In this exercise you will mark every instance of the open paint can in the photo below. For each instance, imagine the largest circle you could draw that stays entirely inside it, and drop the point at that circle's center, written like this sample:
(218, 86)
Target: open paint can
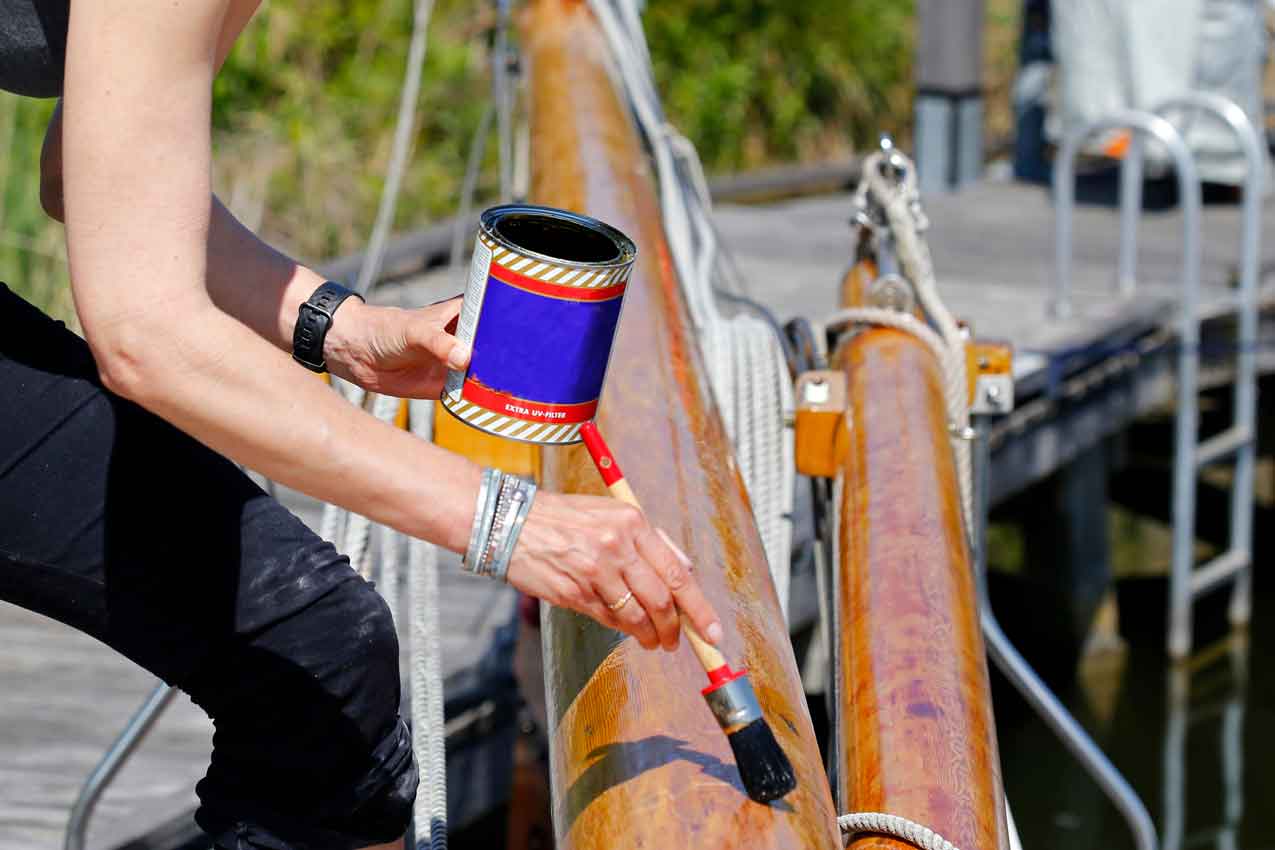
(540, 313)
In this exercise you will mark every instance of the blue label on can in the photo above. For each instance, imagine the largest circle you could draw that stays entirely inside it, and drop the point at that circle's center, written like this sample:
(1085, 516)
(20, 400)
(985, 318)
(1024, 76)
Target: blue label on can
(549, 348)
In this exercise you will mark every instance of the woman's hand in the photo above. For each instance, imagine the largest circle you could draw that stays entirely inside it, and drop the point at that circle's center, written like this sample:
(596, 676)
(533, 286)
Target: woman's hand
(397, 352)
(588, 553)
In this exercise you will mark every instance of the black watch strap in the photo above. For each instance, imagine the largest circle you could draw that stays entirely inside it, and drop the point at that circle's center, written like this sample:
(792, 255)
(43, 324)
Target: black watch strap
(314, 319)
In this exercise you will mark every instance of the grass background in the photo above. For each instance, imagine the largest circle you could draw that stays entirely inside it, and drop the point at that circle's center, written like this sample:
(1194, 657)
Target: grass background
(305, 107)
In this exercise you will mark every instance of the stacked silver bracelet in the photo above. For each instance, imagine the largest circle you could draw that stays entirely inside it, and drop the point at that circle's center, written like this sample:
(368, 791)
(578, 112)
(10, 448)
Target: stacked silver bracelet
(504, 501)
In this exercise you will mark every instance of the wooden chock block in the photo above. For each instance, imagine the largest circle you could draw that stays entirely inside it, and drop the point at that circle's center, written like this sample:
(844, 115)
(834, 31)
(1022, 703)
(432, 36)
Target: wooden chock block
(485, 449)
(822, 438)
(989, 374)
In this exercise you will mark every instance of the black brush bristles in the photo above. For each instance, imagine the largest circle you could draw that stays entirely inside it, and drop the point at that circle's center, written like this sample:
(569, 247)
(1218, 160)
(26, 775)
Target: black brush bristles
(763, 766)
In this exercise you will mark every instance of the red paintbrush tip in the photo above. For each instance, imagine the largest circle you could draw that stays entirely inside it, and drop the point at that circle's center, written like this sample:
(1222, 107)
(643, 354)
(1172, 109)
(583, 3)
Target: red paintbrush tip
(719, 676)
(601, 453)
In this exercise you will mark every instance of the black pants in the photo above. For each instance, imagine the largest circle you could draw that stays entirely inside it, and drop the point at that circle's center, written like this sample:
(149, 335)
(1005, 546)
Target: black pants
(116, 523)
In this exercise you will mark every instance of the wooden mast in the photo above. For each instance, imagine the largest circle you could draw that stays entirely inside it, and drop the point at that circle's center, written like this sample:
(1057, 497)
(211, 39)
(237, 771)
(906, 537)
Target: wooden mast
(636, 758)
(915, 735)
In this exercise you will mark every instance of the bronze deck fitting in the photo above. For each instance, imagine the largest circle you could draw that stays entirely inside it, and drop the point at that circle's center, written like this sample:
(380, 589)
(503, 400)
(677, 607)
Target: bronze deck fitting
(637, 759)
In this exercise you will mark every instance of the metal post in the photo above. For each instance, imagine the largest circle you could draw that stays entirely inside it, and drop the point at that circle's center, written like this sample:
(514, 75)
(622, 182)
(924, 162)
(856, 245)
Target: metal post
(949, 100)
(1021, 675)
(138, 726)
(1131, 174)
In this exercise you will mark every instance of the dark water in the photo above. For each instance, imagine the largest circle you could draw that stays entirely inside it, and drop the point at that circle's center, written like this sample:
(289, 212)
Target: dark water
(1194, 740)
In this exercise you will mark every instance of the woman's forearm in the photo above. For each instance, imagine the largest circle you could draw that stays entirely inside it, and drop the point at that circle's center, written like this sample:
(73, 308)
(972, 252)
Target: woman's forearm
(250, 402)
(258, 285)
(136, 141)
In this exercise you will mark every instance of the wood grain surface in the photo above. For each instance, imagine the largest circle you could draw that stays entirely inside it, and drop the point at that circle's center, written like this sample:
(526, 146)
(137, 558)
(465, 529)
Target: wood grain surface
(914, 734)
(637, 759)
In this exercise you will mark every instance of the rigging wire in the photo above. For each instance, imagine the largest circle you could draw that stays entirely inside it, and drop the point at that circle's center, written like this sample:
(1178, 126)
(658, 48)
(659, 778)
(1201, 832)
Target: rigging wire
(401, 151)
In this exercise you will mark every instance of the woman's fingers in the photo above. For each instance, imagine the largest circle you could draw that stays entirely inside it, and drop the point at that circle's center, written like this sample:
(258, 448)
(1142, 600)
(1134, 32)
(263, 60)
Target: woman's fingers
(675, 571)
(588, 554)
(573, 593)
(629, 617)
(429, 332)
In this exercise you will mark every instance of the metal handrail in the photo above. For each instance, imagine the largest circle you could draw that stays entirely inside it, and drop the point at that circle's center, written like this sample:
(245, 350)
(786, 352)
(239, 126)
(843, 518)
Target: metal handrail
(1032, 688)
(1065, 205)
(118, 753)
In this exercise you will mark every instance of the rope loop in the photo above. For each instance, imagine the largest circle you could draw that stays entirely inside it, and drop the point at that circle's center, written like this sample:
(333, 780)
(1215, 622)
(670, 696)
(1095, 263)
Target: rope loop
(887, 199)
(894, 826)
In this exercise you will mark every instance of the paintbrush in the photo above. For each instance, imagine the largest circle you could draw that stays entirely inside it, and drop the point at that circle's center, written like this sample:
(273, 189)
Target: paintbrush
(763, 767)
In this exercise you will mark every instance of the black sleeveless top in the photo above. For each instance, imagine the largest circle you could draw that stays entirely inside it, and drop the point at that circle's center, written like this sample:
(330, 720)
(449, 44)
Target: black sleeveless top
(33, 45)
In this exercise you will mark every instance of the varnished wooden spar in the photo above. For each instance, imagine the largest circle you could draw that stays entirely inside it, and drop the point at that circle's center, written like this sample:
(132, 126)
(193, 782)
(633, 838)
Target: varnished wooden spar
(637, 760)
(915, 735)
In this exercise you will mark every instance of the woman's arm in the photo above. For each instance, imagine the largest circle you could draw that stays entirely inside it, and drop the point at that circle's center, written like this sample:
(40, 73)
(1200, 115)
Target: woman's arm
(137, 102)
(380, 348)
(137, 157)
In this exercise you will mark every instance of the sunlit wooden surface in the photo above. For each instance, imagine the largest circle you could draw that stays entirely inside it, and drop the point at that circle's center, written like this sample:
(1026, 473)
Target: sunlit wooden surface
(915, 736)
(637, 759)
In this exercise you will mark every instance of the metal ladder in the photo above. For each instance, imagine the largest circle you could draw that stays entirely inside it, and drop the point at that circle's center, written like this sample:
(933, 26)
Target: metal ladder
(1186, 581)
(1181, 716)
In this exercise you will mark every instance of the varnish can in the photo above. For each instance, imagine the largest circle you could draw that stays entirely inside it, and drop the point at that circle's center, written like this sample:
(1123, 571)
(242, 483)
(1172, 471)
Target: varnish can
(540, 312)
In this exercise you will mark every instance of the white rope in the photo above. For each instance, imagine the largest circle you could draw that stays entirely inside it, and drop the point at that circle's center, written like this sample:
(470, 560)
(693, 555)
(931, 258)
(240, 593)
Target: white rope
(899, 199)
(387, 581)
(358, 528)
(333, 520)
(879, 823)
(468, 187)
(429, 740)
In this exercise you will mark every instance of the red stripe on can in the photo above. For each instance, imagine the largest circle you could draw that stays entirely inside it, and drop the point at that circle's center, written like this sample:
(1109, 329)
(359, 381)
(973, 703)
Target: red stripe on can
(556, 290)
(529, 411)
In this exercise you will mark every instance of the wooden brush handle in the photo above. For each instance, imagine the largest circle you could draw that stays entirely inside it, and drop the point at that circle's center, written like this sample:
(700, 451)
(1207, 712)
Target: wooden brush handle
(618, 486)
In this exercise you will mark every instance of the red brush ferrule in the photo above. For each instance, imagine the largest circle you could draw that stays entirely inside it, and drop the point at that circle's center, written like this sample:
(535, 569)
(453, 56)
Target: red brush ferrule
(601, 454)
(720, 676)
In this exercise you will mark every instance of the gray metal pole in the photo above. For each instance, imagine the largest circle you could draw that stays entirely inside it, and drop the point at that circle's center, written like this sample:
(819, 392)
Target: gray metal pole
(138, 726)
(1021, 675)
(949, 100)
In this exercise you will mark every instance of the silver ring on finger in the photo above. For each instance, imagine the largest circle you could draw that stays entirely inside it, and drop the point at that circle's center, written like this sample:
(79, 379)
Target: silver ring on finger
(621, 602)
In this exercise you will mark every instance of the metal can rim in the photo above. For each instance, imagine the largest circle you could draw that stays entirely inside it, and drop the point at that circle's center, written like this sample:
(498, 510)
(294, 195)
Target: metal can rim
(625, 248)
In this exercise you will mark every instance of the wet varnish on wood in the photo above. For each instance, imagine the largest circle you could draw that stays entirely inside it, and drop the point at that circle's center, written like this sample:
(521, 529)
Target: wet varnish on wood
(915, 736)
(637, 759)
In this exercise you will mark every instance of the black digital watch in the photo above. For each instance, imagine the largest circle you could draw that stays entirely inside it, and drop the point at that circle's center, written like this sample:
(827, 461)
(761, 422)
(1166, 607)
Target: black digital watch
(314, 319)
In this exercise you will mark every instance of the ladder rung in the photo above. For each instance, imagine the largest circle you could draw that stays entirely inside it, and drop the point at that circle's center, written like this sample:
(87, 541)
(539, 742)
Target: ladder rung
(1218, 570)
(1222, 445)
